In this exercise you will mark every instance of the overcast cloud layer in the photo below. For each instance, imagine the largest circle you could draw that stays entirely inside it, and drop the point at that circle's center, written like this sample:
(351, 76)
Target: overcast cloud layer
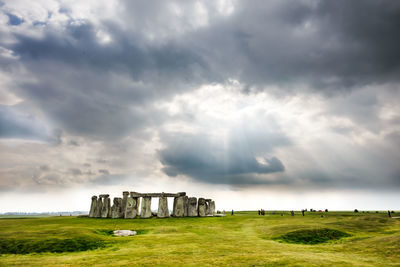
(233, 94)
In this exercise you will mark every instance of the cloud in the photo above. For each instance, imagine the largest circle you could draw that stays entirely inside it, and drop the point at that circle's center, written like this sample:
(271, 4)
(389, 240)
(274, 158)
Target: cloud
(274, 93)
(106, 172)
(17, 123)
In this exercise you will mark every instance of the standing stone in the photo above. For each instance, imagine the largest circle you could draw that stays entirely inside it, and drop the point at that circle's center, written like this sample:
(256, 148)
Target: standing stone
(192, 207)
(109, 207)
(105, 210)
(93, 206)
(146, 208)
(186, 206)
(130, 208)
(116, 209)
(212, 207)
(174, 206)
(202, 207)
(125, 196)
(208, 207)
(179, 206)
(99, 207)
(163, 207)
(137, 198)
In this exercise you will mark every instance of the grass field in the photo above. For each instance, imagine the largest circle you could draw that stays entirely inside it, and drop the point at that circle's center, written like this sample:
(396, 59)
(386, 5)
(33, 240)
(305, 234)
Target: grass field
(245, 239)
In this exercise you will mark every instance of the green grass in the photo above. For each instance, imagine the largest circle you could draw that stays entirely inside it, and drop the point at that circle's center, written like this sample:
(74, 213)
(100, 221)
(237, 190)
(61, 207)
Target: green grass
(244, 239)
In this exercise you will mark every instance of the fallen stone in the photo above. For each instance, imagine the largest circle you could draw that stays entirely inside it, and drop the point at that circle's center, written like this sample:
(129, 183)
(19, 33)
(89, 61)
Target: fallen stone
(124, 232)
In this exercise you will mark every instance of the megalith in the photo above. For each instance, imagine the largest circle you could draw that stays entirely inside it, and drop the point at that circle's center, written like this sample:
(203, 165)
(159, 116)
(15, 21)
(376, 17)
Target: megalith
(192, 207)
(93, 206)
(130, 208)
(125, 196)
(186, 206)
(146, 208)
(212, 207)
(179, 206)
(201, 207)
(116, 209)
(137, 197)
(174, 206)
(208, 206)
(99, 207)
(163, 207)
(105, 210)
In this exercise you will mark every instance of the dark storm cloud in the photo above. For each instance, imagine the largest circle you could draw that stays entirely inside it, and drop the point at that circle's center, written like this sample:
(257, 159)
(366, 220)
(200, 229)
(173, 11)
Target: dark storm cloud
(99, 82)
(328, 45)
(228, 160)
(129, 52)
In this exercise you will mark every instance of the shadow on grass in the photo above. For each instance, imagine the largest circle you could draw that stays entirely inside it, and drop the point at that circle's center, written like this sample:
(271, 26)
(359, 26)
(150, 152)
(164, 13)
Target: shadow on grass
(311, 236)
(26, 246)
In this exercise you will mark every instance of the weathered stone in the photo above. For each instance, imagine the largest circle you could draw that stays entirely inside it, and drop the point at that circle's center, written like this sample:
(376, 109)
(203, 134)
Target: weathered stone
(174, 206)
(93, 206)
(208, 206)
(109, 207)
(146, 208)
(186, 206)
(116, 209)
(125, 196)
(124, 232)
(137, 203)
(192, 207)
(179, 206)
(136, 194)
(201, 207)
(130, 208)
(99, 207)
(106, 209)
(163, 208)
(212, 207)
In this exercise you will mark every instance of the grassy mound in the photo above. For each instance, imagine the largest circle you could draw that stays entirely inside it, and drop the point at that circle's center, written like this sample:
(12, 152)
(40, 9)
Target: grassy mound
(312, 236)
(26, 246)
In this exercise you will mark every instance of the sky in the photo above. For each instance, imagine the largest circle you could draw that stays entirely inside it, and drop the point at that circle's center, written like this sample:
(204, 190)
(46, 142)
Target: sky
(256, 104)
